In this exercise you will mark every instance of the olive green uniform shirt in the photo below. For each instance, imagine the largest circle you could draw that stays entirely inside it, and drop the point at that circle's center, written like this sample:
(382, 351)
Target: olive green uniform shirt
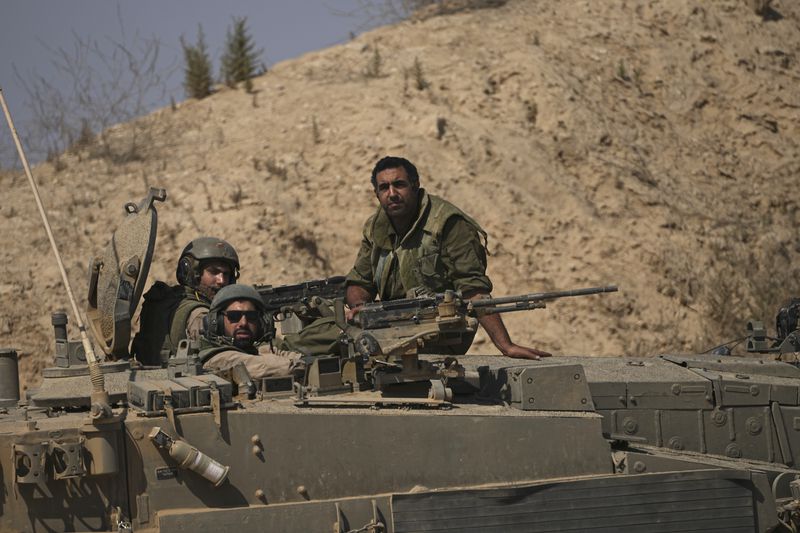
(442, 251)
(461, 261)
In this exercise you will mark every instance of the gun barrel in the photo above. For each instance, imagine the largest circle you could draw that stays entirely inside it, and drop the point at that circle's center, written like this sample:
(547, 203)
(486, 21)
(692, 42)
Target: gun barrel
(541, 296)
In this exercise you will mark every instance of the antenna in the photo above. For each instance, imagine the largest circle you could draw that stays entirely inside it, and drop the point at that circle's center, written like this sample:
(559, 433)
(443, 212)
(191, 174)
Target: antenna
(100, 401)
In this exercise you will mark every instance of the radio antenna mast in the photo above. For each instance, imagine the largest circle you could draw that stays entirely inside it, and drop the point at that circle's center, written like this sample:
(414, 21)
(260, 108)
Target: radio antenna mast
(100, 400)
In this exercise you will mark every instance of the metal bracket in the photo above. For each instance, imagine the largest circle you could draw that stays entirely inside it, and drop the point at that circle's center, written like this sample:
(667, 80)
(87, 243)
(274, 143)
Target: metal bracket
(373, 526)
(118, 517)
(169, 408)
(377, 524)
(29, 462)
(216, 406)
(67, 457)
(338, 526)
(153, 195)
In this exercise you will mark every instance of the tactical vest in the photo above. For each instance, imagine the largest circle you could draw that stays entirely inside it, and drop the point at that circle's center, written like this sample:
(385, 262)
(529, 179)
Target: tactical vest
(165, 313)
(419, 254)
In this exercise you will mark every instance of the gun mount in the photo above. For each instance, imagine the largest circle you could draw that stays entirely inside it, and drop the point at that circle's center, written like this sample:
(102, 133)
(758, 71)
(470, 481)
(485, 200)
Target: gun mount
(633, 444)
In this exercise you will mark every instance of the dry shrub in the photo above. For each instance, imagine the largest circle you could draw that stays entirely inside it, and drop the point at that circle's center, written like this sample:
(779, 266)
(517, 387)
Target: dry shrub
(377, 12)
(431, 8)
(420, 82)
(749, 276)
(272, 166)
(757, 280)
(103, 83)
(308, 244)
(374, 65)
(316, 136)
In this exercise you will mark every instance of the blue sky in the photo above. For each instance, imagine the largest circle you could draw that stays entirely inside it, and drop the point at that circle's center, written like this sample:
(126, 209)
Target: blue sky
(283, 29)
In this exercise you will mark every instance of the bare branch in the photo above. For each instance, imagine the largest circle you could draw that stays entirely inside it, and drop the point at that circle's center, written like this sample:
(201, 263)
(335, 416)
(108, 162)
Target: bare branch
(101, 83)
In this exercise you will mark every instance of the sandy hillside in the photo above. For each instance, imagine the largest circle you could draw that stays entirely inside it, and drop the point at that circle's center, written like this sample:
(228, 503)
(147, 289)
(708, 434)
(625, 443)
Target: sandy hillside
(655, 145)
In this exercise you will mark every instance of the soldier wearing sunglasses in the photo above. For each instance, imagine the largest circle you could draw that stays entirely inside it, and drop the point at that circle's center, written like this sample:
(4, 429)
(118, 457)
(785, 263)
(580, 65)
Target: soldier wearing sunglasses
(239, 330)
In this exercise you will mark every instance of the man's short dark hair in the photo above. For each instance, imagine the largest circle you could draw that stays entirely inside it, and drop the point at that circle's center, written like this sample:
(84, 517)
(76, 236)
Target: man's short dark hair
(395, 162)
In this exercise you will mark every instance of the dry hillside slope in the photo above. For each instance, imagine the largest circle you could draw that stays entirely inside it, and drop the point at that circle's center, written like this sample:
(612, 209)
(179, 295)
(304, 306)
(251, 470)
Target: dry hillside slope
(649, 144)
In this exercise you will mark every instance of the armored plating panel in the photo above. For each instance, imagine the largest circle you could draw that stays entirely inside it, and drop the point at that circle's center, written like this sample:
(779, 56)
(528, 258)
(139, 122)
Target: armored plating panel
(347, 453)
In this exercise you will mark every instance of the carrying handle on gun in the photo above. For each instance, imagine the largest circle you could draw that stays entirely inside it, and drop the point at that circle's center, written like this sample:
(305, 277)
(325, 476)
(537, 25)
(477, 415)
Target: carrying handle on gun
(339, 316)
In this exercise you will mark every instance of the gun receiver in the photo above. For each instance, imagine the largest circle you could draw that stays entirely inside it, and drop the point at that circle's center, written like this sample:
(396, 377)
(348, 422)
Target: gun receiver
(299, 304)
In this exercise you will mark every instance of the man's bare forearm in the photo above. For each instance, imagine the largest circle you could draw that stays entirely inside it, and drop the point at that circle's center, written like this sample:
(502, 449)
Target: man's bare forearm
(496, 330)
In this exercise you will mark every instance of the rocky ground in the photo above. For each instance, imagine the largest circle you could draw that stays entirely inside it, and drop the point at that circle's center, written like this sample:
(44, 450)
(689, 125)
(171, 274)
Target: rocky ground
(654, 145)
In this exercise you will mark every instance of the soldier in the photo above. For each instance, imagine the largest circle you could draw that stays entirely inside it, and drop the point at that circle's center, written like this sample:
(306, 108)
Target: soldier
(169, 314)
(238, 330)
(415, 243)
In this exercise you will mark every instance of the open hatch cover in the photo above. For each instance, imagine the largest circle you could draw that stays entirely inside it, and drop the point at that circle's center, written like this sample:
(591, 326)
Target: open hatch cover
(118, 276)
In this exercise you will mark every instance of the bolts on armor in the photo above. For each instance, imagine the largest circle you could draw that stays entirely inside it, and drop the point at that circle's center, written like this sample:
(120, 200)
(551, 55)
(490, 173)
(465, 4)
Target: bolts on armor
(301, 490)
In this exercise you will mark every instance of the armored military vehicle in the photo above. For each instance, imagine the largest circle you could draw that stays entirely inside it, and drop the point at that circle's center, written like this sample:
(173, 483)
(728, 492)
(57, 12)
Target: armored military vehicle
(383, 439)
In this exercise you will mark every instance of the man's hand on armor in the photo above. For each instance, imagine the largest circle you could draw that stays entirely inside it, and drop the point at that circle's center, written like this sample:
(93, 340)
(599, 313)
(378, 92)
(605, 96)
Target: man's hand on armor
(522, 352)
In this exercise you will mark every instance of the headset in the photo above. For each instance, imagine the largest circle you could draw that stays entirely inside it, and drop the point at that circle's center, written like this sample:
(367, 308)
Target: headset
(214, 327)
(185, 273)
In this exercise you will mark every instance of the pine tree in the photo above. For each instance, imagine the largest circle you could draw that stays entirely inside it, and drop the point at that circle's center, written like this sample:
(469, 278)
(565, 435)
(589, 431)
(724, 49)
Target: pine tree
(197, 70)
(240, 58)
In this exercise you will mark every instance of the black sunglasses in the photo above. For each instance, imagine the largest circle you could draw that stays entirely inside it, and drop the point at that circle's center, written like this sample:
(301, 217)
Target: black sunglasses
(236, 316)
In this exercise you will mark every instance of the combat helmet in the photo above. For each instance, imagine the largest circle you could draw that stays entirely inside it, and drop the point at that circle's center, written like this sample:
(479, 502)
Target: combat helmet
(201, 250)
(214, 326)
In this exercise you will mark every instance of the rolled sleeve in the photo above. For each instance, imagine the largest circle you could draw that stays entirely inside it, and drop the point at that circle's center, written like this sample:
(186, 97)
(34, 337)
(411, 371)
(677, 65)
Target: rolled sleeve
(464, 257)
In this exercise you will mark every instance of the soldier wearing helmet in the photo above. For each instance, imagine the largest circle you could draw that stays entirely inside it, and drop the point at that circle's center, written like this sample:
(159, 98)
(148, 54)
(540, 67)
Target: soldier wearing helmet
(173, 313)
(237, 330)
(206, 265)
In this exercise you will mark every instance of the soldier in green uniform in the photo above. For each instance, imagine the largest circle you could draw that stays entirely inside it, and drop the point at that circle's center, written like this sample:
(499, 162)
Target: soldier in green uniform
(415, 243)
(238, 330)
(171, 313)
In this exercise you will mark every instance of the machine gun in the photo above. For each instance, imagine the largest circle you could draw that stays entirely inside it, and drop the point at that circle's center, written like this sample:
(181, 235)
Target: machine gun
(403, 326)
(384, 349)
(297, 305)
